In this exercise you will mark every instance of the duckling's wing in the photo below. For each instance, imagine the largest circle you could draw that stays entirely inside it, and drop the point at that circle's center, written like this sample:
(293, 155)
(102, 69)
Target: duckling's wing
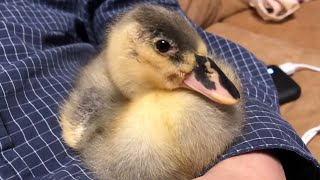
(91, 103)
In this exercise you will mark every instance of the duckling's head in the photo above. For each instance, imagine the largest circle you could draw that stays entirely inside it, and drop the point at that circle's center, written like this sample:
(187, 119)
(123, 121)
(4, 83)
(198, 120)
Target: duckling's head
(154, 48)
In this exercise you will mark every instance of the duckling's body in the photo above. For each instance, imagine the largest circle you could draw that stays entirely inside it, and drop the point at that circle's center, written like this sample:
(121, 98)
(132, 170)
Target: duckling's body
(135, 125)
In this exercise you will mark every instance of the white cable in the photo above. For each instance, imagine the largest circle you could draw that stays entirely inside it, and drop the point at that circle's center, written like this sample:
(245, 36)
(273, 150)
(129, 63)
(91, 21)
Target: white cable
(310, 134)
(289, 68)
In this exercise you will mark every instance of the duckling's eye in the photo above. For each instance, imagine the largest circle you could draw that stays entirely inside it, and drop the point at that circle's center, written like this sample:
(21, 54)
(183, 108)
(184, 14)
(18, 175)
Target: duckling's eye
(163, 46)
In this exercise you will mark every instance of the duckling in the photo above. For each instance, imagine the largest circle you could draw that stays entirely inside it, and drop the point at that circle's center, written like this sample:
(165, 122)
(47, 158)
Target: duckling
(153, 104)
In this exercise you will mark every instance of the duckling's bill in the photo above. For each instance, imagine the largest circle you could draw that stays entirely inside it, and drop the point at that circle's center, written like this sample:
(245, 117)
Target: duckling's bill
(208, 79)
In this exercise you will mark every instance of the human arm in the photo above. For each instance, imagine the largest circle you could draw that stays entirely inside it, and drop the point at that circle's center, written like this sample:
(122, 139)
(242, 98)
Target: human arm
(250, 166)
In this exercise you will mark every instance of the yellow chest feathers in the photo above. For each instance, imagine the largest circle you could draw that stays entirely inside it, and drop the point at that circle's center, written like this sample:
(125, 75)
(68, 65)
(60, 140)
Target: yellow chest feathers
(160, 117)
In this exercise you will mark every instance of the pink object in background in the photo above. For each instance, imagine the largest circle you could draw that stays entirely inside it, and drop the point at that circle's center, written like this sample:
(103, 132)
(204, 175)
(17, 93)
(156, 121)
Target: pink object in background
(275, 10)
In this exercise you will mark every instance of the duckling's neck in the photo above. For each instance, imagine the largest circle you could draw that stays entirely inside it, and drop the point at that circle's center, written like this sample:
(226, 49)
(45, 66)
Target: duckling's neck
(158, 108)
(134, 91)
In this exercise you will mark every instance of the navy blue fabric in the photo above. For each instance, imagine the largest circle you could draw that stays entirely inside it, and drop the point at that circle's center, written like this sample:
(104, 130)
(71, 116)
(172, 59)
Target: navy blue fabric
(44, 43)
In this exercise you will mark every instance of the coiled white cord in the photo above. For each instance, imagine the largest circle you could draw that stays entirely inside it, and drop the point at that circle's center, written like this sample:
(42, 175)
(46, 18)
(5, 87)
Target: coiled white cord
(290, 68)
(306, 138)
